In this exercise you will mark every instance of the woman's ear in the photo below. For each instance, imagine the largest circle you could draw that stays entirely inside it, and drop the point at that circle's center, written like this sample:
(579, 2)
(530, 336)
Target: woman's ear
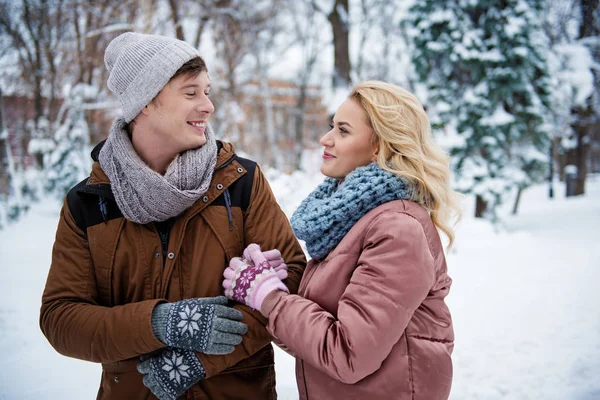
(375, 153)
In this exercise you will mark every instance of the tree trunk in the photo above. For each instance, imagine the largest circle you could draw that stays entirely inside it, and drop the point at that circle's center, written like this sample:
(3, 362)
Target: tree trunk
(583, 116)
(338, 18)
(201, 25)
(274, 152)
(5, 175)
(175, 18)
(299, 127)
(588, 25)
(480, 207)
(551, 169)
(582, 150)
(517, 201)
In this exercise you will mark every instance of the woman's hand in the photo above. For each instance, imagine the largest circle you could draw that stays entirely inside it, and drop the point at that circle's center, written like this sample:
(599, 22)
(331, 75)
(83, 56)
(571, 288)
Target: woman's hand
(250, 279)
(273, 257)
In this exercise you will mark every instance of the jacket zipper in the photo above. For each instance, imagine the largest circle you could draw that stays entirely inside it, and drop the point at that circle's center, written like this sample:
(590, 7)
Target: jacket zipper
(304, 378)
(301, 290)
(164, 232)
(164, 244)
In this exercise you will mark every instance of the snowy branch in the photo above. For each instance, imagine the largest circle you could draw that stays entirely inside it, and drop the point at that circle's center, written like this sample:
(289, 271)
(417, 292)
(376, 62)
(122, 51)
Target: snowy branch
(109, 29)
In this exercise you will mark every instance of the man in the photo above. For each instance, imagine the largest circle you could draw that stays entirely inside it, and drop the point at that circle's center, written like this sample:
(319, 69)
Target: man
(141, 245)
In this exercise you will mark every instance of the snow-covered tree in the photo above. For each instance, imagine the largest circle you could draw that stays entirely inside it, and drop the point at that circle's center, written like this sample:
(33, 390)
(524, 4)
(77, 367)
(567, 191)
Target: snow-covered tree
(68, 161)
(483, 63)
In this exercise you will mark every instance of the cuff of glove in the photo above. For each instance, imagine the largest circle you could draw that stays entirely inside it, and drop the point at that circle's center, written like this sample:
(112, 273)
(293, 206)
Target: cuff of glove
(160, 315)
(271, 301)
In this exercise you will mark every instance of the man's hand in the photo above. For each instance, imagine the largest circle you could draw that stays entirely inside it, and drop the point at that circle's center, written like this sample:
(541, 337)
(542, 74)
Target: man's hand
(170, 373)
(206, 325)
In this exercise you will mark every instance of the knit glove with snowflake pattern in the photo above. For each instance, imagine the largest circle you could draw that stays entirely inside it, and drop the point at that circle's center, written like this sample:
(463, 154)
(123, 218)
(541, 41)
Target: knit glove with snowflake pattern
(206, 325)
(170, 373)
(251, 279)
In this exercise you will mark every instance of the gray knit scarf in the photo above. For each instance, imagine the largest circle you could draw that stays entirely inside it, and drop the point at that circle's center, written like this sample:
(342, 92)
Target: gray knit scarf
(142, 194)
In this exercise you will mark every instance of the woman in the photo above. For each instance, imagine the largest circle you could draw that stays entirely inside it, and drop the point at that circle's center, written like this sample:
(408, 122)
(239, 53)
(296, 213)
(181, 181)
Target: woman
(369, 320)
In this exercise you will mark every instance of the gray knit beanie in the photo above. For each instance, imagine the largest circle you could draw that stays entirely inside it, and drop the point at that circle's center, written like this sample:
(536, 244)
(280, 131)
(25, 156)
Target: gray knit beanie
(140, 65)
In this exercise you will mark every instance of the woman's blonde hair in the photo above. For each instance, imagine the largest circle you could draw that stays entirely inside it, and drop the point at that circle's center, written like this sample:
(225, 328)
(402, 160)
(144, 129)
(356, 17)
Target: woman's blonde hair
(402, 133)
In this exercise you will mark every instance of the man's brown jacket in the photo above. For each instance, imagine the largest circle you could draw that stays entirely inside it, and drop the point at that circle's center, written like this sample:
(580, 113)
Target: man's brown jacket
(108, 273)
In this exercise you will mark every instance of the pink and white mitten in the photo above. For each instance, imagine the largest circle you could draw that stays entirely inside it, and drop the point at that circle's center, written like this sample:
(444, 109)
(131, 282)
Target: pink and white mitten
(250, 281)
(275, 260)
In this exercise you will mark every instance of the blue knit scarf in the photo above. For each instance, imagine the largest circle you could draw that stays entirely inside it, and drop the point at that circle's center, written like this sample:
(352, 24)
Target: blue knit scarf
(332, 209)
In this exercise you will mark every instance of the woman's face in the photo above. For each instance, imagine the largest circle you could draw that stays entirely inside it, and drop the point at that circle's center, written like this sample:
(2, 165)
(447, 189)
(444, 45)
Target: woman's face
(349, 143)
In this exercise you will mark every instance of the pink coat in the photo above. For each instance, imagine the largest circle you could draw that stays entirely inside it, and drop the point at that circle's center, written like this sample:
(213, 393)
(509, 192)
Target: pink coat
(369, 321)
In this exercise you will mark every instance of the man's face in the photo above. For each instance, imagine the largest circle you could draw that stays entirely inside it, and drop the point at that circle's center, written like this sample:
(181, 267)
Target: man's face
(177, 118)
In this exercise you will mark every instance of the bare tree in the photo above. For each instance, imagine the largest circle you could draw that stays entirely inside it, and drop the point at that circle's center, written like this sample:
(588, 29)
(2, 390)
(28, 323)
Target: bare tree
(339, 20)
(266, 28)
(246, 35)
(340, 24)
(559, 18)
(382, 44)
(95, 24)
(35, 29)
(234, 30)
(306, 34)
(196, 14)
(176, 19)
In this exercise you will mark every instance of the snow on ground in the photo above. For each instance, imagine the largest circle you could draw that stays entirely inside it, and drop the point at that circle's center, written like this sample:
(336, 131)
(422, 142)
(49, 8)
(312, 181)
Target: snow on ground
(525, 302)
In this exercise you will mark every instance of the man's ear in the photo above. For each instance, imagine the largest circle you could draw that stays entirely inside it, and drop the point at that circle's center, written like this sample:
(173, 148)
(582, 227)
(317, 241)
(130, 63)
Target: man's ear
(145, 110)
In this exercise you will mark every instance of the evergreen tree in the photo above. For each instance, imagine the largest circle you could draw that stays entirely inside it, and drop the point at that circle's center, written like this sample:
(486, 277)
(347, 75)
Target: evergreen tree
(68, 162)
(483, 65)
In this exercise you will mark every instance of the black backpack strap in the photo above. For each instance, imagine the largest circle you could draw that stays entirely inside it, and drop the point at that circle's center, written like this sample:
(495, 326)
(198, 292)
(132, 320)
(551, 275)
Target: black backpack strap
(240, 191)
(92, 204)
